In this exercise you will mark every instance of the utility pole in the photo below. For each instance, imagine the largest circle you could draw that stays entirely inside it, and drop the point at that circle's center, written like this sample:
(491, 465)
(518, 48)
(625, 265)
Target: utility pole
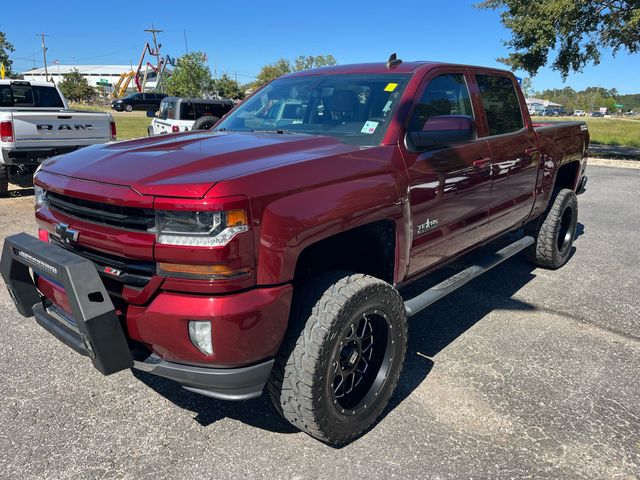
(186, 47)
(156, 48)
(44, 54)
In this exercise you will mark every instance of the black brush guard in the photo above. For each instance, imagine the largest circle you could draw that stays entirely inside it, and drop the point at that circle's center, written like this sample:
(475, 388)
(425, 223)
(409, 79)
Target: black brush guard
(94, 329)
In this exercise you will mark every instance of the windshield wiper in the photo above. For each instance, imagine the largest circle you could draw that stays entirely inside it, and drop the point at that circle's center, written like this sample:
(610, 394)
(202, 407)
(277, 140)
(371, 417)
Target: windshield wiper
(279, 131)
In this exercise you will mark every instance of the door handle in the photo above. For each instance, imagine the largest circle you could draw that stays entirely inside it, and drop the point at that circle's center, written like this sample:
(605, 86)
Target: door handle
(481, 162)
(530, 151)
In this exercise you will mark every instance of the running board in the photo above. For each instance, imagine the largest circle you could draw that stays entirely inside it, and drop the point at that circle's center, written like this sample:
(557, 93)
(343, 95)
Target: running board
(435, 293)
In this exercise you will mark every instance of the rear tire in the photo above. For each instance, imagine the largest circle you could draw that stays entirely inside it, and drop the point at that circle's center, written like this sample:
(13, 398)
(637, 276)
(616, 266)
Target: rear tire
(556, 231)
(4, 180)
(342, 357)
(205, 123)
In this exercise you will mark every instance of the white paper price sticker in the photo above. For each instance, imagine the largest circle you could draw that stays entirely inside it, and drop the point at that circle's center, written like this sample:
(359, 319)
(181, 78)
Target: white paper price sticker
(369, 127)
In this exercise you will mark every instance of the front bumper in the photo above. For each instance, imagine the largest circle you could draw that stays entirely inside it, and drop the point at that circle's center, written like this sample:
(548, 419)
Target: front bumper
(240, 383)
(248, 326)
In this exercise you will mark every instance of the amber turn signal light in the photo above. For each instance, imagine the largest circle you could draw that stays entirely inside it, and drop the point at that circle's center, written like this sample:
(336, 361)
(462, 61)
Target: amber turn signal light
(201, 271)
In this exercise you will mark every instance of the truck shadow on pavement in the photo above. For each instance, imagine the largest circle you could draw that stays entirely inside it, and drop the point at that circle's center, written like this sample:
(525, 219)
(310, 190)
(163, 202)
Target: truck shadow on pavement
(430, 332)
(23, 192)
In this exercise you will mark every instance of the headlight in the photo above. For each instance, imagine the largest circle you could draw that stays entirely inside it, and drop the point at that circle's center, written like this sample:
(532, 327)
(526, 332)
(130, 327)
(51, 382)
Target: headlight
(199, 229)
(40, 195)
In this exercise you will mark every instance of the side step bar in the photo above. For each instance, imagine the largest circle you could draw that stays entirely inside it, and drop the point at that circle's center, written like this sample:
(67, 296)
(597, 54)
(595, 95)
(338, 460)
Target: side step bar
(435, 293)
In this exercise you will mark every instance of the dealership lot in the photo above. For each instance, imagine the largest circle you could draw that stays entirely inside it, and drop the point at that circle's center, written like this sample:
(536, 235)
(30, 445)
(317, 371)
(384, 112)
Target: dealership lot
(523, 372)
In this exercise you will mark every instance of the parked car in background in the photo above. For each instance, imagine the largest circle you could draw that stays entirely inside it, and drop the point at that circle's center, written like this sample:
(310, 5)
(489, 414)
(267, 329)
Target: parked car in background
(596, 114)
(579, 113)
(184, 114)
(138, 101)
(554, 112)
(36, 123)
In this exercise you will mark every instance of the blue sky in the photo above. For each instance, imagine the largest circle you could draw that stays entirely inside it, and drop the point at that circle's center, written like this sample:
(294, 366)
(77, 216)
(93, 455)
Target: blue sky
(240, 37)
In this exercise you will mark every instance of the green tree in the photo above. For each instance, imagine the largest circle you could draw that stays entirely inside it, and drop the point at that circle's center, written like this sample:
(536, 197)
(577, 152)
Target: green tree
(227, 87)
(305, 63)
(527, 86)
(272, 71)
(6, 48)
(282, 66)
(76, 88)
(574, 30)
(191, 76)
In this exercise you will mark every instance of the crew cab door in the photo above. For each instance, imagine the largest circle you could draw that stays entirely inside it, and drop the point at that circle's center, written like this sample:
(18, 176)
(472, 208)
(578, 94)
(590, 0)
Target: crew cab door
(449, 180)
(514, 150)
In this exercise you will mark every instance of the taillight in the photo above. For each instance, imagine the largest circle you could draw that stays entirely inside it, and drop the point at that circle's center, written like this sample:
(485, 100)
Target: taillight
(175, 128)
(6, 131)
(113, 131)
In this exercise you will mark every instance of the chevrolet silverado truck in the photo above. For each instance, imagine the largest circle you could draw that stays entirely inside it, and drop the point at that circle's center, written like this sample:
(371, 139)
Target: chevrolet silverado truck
(36, 123)
(260, 256)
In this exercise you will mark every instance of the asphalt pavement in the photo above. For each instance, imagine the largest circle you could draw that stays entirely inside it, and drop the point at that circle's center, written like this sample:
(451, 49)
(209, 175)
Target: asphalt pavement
(523, 373)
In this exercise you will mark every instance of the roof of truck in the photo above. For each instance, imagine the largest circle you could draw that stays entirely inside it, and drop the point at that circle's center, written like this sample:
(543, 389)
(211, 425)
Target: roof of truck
(381, 67)
(26, 82)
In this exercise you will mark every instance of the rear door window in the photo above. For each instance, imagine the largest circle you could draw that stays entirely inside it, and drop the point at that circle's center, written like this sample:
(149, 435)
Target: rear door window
(501, 104)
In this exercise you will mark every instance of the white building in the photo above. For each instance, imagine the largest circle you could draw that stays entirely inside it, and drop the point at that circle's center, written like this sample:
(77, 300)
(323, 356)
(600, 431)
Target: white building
(97, 75)
(537, 105)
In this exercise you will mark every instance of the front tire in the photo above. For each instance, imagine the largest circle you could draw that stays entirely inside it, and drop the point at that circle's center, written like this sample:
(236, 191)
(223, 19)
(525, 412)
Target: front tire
(128, 108)
(556, 231)
(342, 357)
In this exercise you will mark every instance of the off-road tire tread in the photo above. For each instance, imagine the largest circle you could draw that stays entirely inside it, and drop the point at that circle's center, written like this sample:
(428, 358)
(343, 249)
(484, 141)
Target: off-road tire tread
(298, 365)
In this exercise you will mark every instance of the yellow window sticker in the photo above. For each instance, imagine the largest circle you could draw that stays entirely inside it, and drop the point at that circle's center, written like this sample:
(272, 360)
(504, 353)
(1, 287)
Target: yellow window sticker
(390, 87)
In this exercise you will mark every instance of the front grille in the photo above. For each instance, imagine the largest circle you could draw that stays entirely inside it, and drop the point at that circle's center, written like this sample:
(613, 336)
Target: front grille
(113, 269)
(141, 219)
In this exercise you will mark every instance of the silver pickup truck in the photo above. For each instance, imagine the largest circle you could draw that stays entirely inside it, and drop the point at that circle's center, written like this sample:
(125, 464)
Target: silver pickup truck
(36, 123)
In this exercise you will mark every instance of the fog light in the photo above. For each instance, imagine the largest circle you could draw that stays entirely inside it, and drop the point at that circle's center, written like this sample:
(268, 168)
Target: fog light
(200, 335)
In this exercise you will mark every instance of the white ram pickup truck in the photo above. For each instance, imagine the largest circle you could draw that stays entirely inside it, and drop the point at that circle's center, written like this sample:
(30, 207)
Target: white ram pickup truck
(36, 123)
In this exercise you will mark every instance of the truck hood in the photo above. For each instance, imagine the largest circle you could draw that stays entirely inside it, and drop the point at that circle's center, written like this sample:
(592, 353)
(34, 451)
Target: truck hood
(190, 164)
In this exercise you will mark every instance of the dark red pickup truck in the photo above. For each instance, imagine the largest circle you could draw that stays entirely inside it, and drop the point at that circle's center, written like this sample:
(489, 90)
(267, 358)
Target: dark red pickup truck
(270, 250)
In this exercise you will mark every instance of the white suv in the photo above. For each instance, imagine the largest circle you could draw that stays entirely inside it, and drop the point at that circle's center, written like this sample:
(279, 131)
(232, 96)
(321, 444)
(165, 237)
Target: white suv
(185, 114)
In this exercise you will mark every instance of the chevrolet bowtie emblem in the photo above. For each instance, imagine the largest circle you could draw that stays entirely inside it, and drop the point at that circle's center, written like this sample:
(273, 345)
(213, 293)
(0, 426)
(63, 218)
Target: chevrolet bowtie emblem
(67, 234)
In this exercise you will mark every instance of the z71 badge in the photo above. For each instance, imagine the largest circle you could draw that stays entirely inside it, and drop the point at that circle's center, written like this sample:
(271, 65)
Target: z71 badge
(427, 226)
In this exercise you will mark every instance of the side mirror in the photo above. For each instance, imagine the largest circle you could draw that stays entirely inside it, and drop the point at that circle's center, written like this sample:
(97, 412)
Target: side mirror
(441, 131)
(151, 113)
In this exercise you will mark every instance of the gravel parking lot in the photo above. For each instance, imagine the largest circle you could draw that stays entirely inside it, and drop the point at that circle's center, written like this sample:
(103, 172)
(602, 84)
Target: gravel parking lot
(522, 373)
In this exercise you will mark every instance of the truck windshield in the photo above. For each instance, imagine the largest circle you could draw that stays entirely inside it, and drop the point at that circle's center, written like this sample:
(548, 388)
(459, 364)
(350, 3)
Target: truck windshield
(29, 96)
(355, 109)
